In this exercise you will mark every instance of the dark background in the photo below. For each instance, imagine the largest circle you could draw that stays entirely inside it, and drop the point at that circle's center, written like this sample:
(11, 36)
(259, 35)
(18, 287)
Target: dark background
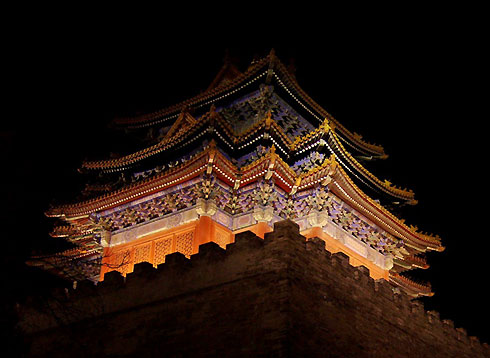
(414, 87)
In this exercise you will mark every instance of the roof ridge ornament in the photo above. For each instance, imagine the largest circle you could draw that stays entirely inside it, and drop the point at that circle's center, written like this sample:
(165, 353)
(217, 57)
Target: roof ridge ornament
(327, 125)
(270, 70)
(268, 119)
(272, 162)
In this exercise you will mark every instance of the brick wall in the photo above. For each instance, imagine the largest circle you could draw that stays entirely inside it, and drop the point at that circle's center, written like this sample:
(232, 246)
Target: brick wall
(278, 297)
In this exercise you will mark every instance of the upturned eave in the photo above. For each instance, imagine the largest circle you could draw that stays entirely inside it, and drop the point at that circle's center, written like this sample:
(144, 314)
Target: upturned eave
(269, 67)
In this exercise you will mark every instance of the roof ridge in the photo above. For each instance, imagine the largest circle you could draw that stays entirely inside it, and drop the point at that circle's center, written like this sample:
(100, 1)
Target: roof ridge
(228, 69)
(423, 288)
(406, 194)
(193, 100)
(376, 148)
(387, 213)
(274, 63)
(173, 170)
(145, 152)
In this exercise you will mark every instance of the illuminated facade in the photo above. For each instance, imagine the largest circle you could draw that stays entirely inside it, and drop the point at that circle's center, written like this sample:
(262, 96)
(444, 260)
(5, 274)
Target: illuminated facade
(251, 150)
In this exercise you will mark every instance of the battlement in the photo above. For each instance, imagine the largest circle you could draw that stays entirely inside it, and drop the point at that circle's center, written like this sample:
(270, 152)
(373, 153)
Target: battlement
(288, 294)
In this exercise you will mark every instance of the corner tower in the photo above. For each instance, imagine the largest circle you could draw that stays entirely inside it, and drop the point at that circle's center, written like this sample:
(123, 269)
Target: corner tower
(251, 150)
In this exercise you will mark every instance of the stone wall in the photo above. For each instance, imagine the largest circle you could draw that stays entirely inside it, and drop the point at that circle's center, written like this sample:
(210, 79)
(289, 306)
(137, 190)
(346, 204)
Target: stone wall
(278, 297)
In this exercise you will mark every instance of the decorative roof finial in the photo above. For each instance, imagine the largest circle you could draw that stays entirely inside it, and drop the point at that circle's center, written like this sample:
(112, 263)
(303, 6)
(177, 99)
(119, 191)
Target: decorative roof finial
(326, 125)
(212, 113)
(268, 119)
(270, 71)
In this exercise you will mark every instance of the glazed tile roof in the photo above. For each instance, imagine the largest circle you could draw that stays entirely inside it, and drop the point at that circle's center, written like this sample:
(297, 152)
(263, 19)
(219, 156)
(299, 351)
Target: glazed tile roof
(413, 288)
(268, 68)
(190, 129)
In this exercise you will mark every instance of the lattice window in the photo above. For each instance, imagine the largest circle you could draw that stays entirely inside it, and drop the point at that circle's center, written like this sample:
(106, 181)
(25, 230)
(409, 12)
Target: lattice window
(222, 238)
(183, 243)
(142, 253)
(121, 261)
(162, 247)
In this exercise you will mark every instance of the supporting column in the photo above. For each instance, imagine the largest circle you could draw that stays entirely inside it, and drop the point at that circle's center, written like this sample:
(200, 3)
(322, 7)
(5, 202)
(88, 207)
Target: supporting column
(204, 232)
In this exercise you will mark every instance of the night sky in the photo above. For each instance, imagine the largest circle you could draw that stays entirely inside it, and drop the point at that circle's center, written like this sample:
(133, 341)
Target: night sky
(415, 93)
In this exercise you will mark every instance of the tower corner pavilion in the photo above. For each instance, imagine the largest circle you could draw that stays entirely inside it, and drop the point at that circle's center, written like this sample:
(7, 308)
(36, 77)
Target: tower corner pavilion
(251, 150)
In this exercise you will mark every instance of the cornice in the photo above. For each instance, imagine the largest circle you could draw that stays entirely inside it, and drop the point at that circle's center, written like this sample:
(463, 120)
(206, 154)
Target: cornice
(211, 159)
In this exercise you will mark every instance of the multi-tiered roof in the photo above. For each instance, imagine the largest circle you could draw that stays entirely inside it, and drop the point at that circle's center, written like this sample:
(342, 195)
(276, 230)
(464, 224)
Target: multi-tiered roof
(258, 148)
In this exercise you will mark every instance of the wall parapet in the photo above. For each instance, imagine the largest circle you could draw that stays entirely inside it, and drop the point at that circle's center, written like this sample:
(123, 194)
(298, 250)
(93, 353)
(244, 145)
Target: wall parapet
(283, 254)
